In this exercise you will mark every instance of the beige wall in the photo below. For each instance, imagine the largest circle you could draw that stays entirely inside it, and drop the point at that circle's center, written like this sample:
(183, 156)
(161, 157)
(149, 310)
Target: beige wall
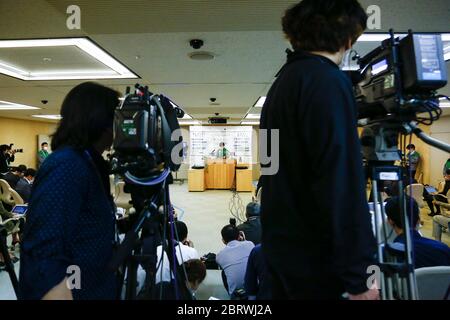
(24, 135)
(441, 131)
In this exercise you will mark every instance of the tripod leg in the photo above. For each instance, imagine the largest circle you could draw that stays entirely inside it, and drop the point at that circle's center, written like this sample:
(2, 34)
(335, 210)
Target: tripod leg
(9, 266)
(131, 280)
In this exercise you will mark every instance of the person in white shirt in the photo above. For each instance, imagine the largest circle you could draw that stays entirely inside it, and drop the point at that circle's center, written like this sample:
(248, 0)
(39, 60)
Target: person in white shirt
(233, 258)
(184, 249)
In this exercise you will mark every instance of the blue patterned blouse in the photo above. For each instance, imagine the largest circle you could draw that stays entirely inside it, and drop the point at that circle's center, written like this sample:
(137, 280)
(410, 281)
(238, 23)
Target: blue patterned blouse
(70, 226)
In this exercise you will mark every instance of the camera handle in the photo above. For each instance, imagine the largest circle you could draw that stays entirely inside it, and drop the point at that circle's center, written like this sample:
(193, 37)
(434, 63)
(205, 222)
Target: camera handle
(427, 139)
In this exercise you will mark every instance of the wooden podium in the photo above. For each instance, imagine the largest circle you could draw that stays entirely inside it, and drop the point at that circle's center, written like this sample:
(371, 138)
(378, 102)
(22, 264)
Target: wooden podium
(244, 180)
(220, 174)
(196, 180)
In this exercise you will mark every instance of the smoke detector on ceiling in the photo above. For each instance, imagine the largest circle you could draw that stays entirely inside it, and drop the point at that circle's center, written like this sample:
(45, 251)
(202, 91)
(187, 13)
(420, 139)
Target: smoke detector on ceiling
(201, 55)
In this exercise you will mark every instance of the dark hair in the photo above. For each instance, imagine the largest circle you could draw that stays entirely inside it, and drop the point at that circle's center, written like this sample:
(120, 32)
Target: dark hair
(43, 144)
(393, 211)
(411, 146)
(21, 168)
(222, 144)
(30, 172)
(195, 270)
(324, 25)
(4, 147)
(230, 233)
(87, 111)
(253, 209)
(182, 230)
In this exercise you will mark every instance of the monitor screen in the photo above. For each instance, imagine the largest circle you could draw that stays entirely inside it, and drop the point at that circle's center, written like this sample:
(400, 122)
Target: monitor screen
(20, 210)
(379, 67)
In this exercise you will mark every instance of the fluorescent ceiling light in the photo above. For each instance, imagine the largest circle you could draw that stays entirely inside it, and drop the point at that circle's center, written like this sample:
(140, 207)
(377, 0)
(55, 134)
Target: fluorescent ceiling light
(5, 105)
(189, 123)
(253, 116)
(250, 123)
(378, 37)
(117, 70)
(447, 56)
(48, 116)
(260, 102)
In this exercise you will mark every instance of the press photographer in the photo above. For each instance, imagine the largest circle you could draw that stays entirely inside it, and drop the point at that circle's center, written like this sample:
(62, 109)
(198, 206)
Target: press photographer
(7, 156)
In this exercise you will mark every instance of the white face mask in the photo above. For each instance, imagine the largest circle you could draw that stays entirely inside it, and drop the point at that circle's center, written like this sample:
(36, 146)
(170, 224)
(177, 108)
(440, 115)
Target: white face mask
(45, 148)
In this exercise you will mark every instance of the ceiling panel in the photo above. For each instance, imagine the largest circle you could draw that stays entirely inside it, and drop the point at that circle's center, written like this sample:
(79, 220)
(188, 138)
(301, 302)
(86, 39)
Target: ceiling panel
(241, 57)
(66, 58)
(245, 36)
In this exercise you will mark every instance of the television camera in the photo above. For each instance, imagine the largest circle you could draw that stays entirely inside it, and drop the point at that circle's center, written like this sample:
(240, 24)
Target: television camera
(146, 142)
(395, 90)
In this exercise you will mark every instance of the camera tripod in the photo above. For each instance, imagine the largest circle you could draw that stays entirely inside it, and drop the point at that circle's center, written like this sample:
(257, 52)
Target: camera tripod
(397, 278)
(380, 147)
(9, 266)
(155, 227)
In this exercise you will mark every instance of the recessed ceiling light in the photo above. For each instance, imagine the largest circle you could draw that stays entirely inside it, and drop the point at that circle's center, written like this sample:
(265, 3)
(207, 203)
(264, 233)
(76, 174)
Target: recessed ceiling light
(117, 69)
(5, 105)
(201, 56)
(190, 123)
(446, 37)
(253, 116)
(447, 56)
(260, 102)
(250, 123)
(48, 116)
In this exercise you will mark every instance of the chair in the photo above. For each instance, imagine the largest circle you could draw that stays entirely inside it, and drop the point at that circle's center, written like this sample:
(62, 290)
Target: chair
(444, 205)
(415, 191)
(5, 193)
(17, 199)
(122, 199)
(433, 283)
(112, 185)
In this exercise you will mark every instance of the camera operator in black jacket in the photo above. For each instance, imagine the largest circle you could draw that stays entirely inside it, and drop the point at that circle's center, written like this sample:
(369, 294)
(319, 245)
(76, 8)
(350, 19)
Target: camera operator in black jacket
(317, 234)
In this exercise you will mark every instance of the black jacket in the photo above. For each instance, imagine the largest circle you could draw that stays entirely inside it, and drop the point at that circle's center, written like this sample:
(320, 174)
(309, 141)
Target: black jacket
(4, 164)
(23, 188)
(314, 210)
(252, 230)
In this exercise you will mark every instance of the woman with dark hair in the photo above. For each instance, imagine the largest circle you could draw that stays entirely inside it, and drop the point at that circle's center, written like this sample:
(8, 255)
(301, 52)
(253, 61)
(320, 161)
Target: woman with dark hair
(69, 234)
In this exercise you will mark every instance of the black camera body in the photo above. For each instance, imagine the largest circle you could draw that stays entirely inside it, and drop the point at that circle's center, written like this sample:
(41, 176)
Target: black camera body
(143, 128)
(396, 82)
(398, 71)
(15, 150)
